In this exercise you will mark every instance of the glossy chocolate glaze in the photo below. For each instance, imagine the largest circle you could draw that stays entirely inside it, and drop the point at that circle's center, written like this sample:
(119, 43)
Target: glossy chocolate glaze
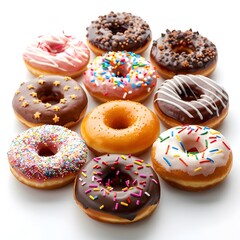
(119, 31)
(118, 185)
(183, 52)
(50, 100)
(191, 99)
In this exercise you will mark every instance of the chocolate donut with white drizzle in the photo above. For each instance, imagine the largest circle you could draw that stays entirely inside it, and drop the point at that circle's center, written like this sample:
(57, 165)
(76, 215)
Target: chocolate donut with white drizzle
(191, 99)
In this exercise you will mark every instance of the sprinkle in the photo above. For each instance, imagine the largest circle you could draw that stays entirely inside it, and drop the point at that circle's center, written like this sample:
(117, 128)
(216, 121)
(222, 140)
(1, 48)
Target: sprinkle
(178, 138)
(213, 141)
(214, 150)
(208, 158)
(167, 150)
(197, 139)
(183, 162)
(116, 206)
(88, 191)
(197, 169)
(148, 165)
(124, 204)
(182, 129)
(117, 172)
(204, 161)
(138, 202)
(204, 133)
(143, 176)
(137, 162)
(146, 193)
(162, 140)
(166, 160)
(206, 143)
(134, 182)
(226, 145)
(84, 174)
(101, 207)
(182, 146)
(175, 148)
(123, 157)
(91, 197)
(84, 183)
(155, 181)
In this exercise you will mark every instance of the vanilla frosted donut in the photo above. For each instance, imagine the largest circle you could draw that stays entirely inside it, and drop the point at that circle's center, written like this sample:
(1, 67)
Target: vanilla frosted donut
(192, 157)
(120, 75)
(46, 157)
(59, 55)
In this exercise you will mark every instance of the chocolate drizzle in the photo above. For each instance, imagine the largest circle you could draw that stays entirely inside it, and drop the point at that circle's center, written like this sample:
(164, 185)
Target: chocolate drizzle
(50, 100)
(119, 31)
(183, 52)
(191, 99)
(118, 185)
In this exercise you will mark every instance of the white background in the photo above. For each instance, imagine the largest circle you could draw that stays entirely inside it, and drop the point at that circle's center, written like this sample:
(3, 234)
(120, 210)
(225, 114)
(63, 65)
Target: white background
(27, 213)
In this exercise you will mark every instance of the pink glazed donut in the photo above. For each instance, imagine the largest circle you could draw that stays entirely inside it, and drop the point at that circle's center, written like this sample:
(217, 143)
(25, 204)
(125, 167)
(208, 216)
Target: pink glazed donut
(120, 76)
(56, 55)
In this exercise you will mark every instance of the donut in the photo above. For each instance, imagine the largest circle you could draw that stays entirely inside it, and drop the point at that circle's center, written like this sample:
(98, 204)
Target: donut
(120, 126)
(192, 157)
(118, 32)
(50, 100)
(56, 55)
(120, 75)
(178, 52)
(117, 189)
(191, 99)
(46, 156)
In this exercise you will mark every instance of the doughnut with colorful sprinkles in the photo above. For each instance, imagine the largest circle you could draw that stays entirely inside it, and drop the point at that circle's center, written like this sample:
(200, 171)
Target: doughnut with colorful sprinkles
(47, 157)
(120, 75)
(192, 157)
(117, 189)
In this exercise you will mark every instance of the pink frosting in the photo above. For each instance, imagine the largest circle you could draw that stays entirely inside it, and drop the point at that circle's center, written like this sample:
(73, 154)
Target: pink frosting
(62, 54)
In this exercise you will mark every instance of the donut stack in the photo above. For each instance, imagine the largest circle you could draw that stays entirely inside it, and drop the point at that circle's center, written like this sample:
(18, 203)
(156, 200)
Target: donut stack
(117, 185)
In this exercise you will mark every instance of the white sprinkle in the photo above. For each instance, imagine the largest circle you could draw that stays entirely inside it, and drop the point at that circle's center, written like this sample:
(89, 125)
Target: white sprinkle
(147, 194)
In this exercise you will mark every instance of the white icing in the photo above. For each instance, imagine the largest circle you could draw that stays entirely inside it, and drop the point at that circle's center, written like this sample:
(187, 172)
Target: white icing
(174, 87)
(169, 151)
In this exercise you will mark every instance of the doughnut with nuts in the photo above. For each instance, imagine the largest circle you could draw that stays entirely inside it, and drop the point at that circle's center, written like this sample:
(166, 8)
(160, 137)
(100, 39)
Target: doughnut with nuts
(191, 99)
(118, 32)
(46, 157)
(120, 75)
(178, 52)
(117, 189)
(57, 55)
(50, 100)
(120, 126)
(192, 157)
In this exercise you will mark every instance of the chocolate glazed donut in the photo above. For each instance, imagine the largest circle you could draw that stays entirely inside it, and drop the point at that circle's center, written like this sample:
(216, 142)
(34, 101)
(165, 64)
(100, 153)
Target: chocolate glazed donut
(118, 32)
(116, 188)
(50, 100)
(177, 52)
(190, 99)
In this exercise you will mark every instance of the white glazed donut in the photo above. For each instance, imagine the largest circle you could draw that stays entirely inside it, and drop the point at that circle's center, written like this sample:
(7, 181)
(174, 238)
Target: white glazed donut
(192, 157)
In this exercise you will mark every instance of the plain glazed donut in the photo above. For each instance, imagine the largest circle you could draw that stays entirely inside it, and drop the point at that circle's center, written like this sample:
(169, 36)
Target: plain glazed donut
(177, 52)
(191, 99)
(56, 55)
(46, 157)
(192, 157)
(117, 189)
(120, 75)
(120, 126)
(118, 32)
(50, 100)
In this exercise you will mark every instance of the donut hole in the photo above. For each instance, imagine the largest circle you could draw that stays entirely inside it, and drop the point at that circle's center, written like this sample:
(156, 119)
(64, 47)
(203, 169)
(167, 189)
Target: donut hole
(46, 149)
(191, 94)
(193, 147)
(117, 29)
(117, 179)
(183, 49)
(121, 71)
(49, 96)
(118, 119)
